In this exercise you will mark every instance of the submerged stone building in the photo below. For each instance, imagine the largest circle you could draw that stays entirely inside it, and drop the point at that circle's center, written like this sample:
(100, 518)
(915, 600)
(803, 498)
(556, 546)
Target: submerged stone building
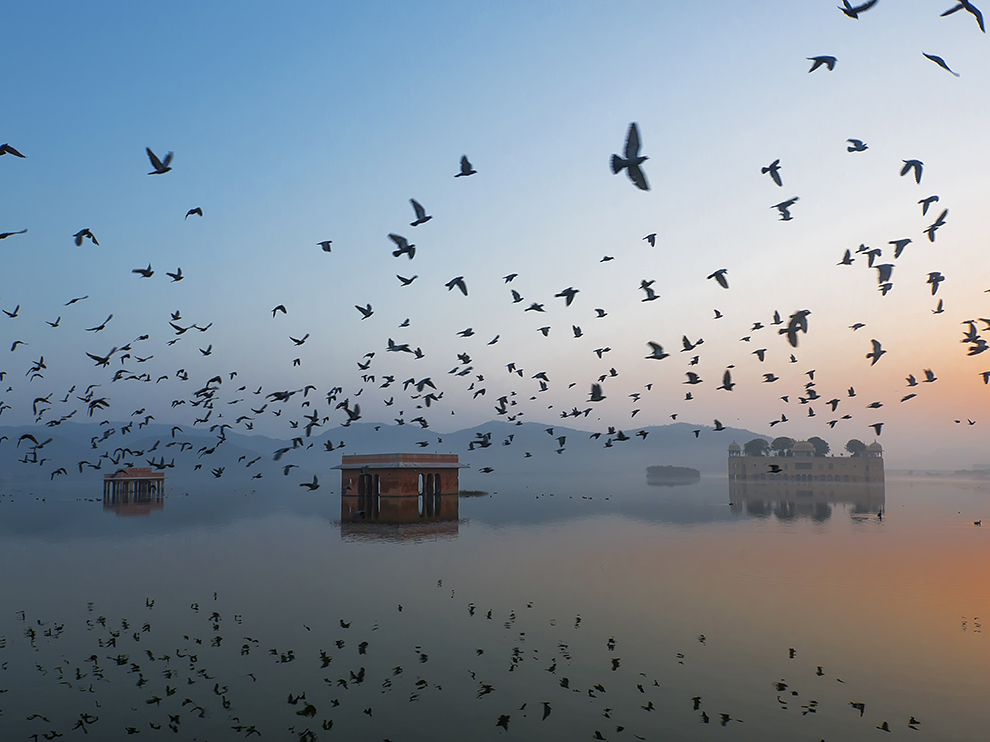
(399, 487)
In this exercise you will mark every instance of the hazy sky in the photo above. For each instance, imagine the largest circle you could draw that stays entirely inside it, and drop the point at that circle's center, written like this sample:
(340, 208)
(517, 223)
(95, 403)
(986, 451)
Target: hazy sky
(320, 122)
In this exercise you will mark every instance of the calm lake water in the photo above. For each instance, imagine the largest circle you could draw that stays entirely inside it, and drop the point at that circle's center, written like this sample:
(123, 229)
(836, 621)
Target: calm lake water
(561, 609)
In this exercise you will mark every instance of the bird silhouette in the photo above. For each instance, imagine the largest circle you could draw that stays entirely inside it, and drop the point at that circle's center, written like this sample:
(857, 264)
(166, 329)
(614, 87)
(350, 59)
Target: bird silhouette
(459, 283)
(657, 352)
(940, 62)
(160, 166)
(916, 166)
(856, 145)
(784, 208)
(963, 5)
(853, 12)
(466, 168)
(719, 276)
(421, 216)
(829, 62)
(926, 202)
(632, 160)
(875, 353)
(402, 246)
(773, 169)
(82, 234)
(934, 226)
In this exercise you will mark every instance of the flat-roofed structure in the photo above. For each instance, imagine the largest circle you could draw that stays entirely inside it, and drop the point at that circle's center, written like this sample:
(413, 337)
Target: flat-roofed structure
(399, 487)
(134, 491)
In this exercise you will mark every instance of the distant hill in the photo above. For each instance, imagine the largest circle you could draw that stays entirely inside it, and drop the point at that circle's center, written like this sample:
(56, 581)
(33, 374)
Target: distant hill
(504, 447)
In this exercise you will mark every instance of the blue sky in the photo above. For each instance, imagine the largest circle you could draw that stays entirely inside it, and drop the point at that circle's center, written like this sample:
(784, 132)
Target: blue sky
(319, 121)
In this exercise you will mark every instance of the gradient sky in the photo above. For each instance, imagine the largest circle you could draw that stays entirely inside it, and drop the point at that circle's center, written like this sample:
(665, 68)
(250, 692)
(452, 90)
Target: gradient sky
(319, 121)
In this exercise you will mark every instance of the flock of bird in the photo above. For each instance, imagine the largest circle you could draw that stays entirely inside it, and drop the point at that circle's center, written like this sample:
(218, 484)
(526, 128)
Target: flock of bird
(204, 672)
(221, 400)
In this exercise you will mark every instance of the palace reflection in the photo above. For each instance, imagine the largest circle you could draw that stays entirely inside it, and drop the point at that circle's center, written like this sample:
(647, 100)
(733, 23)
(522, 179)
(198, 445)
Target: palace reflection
(814, 500)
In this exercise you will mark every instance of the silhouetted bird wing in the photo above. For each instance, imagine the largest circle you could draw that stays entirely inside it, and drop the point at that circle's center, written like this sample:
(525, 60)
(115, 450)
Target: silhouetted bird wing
(941, 63)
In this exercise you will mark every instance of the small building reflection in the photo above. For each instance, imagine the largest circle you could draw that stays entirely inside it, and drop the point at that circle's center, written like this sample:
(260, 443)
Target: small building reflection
(399, 496)
(134, 491)
(813, 500)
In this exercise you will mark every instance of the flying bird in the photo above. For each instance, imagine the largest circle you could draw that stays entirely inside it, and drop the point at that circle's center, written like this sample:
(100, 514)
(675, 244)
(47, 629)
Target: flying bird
(963, 5)
(876, 353)
(798, 322)
(177, 276)
(325, 245)
(915, 165)
(406, 281)
(935, 278)
(81, 234)
(198, 211)
(719, 276)
(784, 208)
(774, 170)
(466, 168)
(160, 166)
(567, 295)
(819, 61)
(853, 12)
(402, 246)
(145, 272)
(652, 239)
(632, 160)
(940, 62)
(940, 222)
(421, 216)
(657, 352)
(6, 149)
(727, 382)
(365, 311)
(926, 202)
(856, 145)
(459, 283)
(5, 235)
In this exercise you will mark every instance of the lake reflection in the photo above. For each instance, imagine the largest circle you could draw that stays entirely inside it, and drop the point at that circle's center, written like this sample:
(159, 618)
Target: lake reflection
(814, 500)
(569, 608)
(408, 518)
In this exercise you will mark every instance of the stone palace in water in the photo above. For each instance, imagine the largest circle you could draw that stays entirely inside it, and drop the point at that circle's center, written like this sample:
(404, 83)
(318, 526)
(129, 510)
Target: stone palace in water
(803, 466)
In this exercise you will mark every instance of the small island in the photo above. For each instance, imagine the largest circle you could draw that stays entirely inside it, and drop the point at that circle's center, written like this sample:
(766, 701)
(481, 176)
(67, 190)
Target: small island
(671, 475)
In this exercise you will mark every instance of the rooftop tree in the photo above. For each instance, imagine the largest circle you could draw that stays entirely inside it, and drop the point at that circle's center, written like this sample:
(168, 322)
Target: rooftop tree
(782, 446)
(821, 446)
(855, 447)
(756, 447)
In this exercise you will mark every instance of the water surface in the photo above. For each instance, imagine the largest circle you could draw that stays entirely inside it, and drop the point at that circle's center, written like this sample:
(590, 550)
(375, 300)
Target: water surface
(614, 602)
